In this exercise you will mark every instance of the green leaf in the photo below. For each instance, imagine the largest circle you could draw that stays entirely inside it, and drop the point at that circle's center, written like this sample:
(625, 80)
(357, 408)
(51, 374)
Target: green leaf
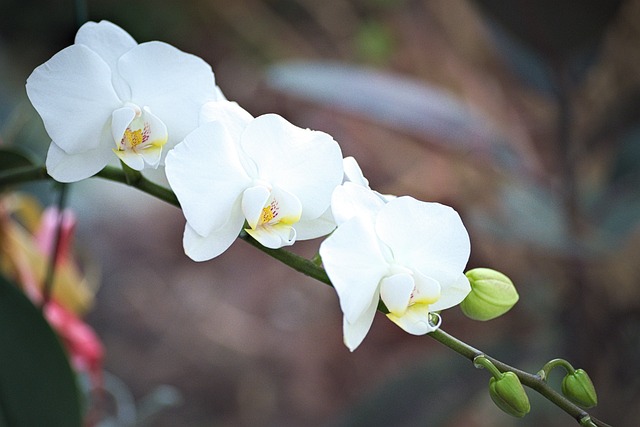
(37, 385)
(374, 42)
(13, 159)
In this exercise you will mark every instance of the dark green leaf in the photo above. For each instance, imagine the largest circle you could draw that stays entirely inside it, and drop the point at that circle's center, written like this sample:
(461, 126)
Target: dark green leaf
(37, 385)
(12, 159)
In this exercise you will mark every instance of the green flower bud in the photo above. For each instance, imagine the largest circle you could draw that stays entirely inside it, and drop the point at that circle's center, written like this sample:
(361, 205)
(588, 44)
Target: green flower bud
(509, 395)
(578, 388)
(492, 294)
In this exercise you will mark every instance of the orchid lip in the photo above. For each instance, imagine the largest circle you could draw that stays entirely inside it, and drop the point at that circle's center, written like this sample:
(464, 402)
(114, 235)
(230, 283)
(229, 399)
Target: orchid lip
(139, 136)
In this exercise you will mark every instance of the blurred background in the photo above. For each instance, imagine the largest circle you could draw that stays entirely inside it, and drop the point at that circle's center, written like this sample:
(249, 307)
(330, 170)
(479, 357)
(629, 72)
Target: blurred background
(523, 115)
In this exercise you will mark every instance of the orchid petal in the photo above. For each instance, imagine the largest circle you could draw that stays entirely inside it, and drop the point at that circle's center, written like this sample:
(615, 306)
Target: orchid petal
(415, 321)
(219, 95)
(132, 159)
(110, 42)
(120, 120)
(429, 237)
(396, 291)
(64, 167)
(314, 228)
(157, 136)
(203, 248)
(73, 94)
(353, 173)
(349, 200)
(355, 264)
(354, 332)
(152, 155)
(228, 112)
(273, 236)
(304, 162)
(254, 200)
(287, 207)
(173, 83)
(427, 290)
(452, 293)
(205, 173)
(106, 39)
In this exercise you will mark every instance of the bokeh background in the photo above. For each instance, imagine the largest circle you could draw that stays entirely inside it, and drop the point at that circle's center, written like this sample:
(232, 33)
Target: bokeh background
(523, 115)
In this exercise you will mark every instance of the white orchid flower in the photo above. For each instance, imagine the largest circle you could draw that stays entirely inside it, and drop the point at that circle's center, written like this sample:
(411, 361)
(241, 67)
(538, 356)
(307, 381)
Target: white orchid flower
(410, 254)
(275, 176)
(107, 95)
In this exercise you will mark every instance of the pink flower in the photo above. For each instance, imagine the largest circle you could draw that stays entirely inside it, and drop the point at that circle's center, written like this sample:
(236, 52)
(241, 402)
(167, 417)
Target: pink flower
(27, 253)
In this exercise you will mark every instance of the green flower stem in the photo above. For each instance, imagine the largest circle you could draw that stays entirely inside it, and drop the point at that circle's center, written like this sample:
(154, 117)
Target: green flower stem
(483, 362)
(297, 262)
(532, 381)
(311, 269)
(137, 180)
(549, 366)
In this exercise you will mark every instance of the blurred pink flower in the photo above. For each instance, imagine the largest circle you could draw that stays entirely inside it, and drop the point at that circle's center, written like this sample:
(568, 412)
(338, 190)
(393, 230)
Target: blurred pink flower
(28, 253)
(86, 352)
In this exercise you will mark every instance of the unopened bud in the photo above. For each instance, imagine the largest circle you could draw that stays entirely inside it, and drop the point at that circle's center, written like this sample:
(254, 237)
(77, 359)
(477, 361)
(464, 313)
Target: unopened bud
(578, 388)
(492, 294)
(509, 395)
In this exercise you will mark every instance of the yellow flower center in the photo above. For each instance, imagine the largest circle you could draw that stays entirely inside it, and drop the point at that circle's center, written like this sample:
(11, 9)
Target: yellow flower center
(133, 138)
(269, 212)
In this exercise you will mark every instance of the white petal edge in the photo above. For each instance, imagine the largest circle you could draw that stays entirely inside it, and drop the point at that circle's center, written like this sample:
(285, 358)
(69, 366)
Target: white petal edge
(452, 293)
(427, 289)
(353, 173)
(229, 113)
(355, 332)
(253, 201)
(106, 39)
(355, 264)
(206, 174)
(203, 248)
(415, 321)
(274, 236)
(110, 42)
(120, 120)
(349, 200)
(429, 237)
(64, 167)
(395, 292)
(73, 94)
(314, 228)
